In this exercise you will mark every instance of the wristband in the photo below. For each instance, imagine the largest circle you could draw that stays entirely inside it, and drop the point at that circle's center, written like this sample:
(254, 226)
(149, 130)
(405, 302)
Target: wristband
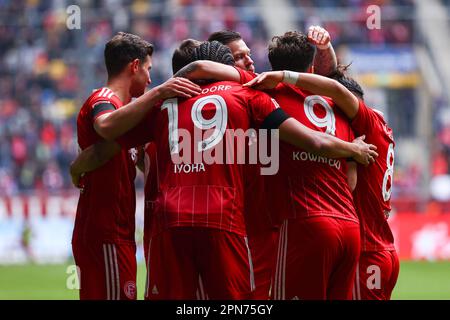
(323, 46)
(290, 77)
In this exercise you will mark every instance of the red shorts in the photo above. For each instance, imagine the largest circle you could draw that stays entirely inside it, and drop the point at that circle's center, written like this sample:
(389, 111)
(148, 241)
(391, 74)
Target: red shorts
(264, 250)
(316, 259)
(376, 275)
(198, 263)
(106, 271)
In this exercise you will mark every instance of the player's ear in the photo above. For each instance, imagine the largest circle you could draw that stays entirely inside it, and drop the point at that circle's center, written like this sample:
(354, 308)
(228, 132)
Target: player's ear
(135, 66)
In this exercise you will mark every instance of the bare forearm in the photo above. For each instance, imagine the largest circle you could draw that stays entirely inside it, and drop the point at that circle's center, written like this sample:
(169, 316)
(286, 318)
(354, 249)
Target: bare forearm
(295, 133)
(115, 124)
(209, 70)
(94, 157)
(86, 161)
(192, 71)
(314, 83)
(332, 147)
(325, 61)
(327, 87)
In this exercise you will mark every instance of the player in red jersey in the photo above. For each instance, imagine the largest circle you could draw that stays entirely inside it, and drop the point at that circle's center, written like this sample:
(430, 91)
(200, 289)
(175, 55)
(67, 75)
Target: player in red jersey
(182, 55)
(103, 237)
(263, 233)
(177, 217)
(378, 266)
(198, 220)
(319, 242)
(343, 209)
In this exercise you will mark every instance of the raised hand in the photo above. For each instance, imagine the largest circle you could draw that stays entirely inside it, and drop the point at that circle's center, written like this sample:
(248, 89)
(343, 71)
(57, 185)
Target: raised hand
(319, 37)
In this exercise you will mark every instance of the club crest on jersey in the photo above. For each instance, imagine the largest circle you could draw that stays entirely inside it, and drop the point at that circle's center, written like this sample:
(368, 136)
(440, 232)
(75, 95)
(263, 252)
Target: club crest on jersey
(155, 290)
(129, 289)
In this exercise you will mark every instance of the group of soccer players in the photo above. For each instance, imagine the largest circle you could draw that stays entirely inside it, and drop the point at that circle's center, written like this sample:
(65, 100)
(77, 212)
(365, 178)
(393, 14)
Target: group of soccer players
(314, 229)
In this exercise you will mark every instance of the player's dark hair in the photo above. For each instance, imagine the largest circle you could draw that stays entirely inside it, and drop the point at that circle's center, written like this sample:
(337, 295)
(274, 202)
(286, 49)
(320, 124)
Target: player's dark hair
(124, 48)
(214, 51)
(225, 36)
(351, 84)
(291, 51)
(183, 55)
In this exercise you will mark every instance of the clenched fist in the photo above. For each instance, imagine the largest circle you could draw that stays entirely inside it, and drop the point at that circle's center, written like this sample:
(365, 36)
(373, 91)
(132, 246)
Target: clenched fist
(319, 37)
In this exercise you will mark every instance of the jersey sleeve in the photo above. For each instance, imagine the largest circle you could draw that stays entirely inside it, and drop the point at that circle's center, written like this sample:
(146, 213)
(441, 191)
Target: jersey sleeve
(101, 107)
(364, 119)
(245, 75)
(265, 111)
(139, 135)
(103, 101)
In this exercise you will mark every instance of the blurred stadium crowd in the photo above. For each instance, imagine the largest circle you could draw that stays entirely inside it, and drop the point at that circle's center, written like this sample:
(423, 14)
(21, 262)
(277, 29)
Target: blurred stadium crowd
(46, 70)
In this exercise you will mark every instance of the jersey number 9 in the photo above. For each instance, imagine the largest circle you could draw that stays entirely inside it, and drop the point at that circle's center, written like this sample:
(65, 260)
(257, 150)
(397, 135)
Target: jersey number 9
(218, 121)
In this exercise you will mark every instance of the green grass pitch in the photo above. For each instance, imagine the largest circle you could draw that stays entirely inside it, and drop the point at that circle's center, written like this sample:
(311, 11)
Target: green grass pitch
(417, 280)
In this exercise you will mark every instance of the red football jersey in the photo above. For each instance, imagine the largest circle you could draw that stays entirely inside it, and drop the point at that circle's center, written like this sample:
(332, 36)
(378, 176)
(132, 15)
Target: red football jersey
(372, 195)
(199, 193)
(257, 214)
(106, 207)
(309, 185)
(245, 75)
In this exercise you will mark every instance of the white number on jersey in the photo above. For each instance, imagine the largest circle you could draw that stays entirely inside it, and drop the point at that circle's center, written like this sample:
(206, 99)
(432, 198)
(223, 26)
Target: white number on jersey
(328, 122)
(218, 121)
(172, 110)
(389, 173)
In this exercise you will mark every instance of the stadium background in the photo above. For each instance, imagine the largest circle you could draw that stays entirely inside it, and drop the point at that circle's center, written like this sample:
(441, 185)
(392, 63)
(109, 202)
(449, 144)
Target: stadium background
(47, 69)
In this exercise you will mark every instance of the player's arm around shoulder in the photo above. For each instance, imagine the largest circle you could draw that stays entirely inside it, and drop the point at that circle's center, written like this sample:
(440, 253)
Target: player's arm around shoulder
(209, 70)
(115, 123)
(313, 83)
(91, 158)
(323, 144)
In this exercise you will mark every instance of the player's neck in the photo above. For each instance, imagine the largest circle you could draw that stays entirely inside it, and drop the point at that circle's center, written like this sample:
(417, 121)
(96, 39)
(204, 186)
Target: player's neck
(121, 88)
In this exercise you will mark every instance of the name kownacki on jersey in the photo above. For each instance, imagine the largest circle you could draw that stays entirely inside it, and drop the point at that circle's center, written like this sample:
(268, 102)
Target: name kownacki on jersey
(308, 156)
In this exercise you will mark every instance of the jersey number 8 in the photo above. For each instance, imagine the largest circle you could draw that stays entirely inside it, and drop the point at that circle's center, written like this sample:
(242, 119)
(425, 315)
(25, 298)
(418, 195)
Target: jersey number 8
(389, 173)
